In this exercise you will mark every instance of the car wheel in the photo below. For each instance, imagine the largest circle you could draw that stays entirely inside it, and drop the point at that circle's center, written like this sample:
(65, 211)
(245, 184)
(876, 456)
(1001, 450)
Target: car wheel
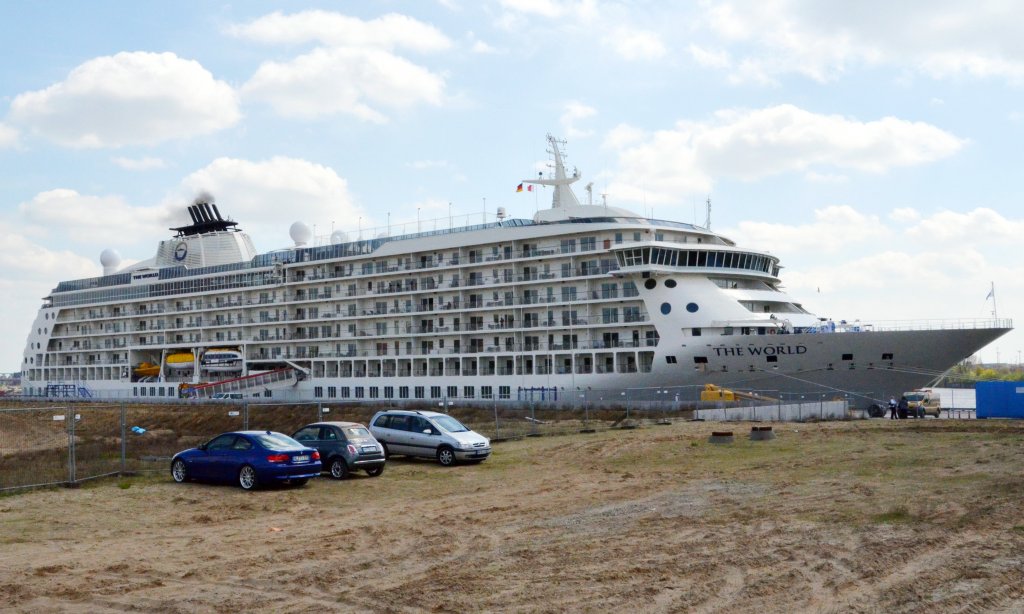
(179, 471)
(247, 477)
(299, 481)
(339, 469)
(375, 471)
(446, 456)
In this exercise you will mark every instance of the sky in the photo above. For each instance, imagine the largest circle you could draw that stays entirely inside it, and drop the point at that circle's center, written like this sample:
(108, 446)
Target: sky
(877, 148)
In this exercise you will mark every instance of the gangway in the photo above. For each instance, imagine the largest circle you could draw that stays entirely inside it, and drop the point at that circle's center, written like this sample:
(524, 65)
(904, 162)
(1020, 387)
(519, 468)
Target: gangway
(278, 378)
(712, 392)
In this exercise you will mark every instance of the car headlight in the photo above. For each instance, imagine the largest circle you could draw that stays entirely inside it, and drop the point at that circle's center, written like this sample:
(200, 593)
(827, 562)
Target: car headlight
(465, 446)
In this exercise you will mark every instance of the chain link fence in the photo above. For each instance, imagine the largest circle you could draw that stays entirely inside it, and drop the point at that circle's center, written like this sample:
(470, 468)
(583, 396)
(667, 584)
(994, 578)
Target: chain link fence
(68, 443)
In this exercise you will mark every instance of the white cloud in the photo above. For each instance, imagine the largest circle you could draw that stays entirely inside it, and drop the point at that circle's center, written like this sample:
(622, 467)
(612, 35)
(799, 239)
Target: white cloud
(351, 81)
(544, 8)
(634, 44)
(833, 229)
(144, 163)
(574, 112)
(134, 98)
(24, 260)
(84, 218)
(750, 144)
(941, 39)
(904, 215)
(334, 29)
(974, 227)
(481, 47)
(709, 58)
(261, 196)
(8, 136)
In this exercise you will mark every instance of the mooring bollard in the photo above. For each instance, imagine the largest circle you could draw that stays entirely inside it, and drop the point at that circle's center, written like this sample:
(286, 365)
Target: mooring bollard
(720, 437)
(761, 433)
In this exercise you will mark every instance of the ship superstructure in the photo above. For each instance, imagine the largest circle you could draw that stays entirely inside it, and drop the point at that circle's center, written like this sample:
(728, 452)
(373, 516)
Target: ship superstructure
(582, 296)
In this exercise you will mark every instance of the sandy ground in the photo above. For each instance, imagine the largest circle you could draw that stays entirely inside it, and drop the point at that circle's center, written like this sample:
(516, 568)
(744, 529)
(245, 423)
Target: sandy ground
(834, 517)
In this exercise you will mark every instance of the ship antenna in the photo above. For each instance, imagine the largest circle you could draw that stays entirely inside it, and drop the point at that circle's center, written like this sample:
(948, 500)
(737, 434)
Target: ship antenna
(707, 219)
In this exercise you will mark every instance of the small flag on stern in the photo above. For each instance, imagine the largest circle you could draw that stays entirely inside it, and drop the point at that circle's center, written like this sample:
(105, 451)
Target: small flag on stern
(519, 188)
(529, 188)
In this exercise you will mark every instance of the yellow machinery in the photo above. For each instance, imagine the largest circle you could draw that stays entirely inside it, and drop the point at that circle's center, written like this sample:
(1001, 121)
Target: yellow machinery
(712, 392)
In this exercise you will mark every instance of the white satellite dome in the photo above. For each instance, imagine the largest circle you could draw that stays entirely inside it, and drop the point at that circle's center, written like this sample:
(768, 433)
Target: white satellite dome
(300, 233)
(110, 259)
(339, 236)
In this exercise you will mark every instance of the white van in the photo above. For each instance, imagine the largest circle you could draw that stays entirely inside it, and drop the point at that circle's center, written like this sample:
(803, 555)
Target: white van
(428, 434)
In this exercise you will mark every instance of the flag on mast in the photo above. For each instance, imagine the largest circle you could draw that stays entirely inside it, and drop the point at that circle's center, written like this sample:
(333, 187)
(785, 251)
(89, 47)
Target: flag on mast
(519, 188)
(991, 292)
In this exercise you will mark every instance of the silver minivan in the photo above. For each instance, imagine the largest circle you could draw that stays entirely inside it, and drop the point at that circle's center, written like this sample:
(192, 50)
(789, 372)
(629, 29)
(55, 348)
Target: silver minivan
(428, 434)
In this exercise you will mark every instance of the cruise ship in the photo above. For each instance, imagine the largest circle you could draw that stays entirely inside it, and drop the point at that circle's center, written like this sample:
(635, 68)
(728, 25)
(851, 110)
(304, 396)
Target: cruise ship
(582, 297)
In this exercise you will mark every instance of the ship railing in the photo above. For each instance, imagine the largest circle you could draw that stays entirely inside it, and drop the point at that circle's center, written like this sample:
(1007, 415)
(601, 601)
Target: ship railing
(857, 326)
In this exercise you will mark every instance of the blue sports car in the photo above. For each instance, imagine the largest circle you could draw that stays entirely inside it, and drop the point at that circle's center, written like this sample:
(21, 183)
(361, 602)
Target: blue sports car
(249, 458)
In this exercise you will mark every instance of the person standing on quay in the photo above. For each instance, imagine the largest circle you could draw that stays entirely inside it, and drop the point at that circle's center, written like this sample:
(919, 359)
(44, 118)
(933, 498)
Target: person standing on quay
(892, 408)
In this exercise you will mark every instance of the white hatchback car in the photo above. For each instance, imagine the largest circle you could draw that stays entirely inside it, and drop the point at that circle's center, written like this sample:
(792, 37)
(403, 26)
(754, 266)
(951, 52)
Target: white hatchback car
(428, 434)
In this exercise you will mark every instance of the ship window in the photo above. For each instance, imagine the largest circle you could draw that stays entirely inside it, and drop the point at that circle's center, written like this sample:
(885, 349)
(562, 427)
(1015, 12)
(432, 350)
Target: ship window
(650, 284)
(671, 360)
(760, 330)
(318, 391)
(647, 255)
(692, 307)
(887, 356)
(435, 392)
(728, 330)
(772, 358)
(504, 392)
(700, 360)
(666, 308)
(670, 283)
(360, 392)
(346, 392)
(418, 392)
(403, 392)
(702, 258)
(374, 392)
(486, 392)
(847, 356)
(695, 332)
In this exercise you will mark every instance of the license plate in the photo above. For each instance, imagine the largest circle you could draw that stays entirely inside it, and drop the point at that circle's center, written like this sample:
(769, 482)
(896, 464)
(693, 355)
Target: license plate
(301, 458)
(369, 448)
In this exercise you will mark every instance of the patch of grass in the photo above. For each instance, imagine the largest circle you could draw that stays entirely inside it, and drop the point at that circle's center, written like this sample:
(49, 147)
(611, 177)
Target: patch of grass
(1019, 528)
(124, 484)
(894, 515)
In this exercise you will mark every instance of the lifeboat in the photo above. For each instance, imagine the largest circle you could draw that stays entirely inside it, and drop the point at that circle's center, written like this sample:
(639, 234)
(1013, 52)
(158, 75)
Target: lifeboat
(147, 369)
(222, 359)
(180, 361)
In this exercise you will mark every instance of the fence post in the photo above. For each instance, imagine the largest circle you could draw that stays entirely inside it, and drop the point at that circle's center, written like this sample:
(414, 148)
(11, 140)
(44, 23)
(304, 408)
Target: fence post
(494, 400)
(245, 416)
(70, 413)
(124, 440)
(319, 411)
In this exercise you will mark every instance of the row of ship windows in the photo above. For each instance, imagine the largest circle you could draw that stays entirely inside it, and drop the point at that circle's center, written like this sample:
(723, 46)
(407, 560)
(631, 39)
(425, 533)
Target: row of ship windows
(697, 258)
(418, 392)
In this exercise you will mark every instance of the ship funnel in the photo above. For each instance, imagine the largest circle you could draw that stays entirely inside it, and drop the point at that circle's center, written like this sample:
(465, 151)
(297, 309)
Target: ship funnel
(207, 213)
(216, 212)
(192, 213)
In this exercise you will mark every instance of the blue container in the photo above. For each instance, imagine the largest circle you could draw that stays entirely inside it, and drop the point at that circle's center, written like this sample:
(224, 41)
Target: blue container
(1000, 399)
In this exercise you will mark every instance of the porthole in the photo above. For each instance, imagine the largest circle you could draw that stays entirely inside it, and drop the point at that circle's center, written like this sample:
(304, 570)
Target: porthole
(670, 283)
(666, 308)
(692, 307)
(650, 283)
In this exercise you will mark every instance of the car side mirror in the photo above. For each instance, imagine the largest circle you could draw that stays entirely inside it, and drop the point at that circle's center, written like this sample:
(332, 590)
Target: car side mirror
(428, 431)
(202, 446)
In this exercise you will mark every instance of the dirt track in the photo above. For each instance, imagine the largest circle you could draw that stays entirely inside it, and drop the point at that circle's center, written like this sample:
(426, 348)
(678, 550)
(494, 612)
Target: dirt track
(864, 517)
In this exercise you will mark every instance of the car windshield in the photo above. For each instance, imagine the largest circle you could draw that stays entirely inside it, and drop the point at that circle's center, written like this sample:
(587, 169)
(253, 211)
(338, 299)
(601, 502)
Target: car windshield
(450, 424)
(277, 441)
(357, 432)
(915, 397)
